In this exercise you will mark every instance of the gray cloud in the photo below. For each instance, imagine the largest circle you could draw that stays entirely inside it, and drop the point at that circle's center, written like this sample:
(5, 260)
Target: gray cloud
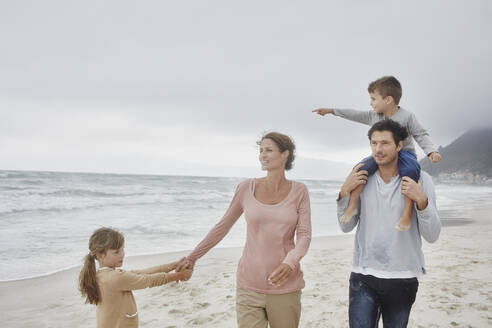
(239, 69)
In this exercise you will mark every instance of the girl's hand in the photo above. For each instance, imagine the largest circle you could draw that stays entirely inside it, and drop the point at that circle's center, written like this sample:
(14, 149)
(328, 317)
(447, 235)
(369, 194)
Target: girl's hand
(323, 111)
(185, 275)
(280, 275)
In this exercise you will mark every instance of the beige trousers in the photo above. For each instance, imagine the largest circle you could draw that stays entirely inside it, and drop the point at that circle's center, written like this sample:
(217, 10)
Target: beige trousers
(256, 310)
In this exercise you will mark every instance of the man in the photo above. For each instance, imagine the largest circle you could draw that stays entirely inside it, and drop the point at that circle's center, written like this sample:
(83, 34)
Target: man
(387, 262)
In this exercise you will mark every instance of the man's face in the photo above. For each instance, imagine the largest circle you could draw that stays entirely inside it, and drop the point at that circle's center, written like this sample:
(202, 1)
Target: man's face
(384, 149)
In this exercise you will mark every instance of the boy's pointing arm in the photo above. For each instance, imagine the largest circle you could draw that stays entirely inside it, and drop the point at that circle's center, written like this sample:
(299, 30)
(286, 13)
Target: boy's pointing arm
(364, 117)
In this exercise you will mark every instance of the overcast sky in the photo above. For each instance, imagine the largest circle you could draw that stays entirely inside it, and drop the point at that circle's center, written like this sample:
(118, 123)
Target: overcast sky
(187, 87)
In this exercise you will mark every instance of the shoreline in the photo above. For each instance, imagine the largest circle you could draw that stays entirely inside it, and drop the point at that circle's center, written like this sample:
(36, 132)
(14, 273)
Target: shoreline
(446, 222)
(70, 267)
(141, 258)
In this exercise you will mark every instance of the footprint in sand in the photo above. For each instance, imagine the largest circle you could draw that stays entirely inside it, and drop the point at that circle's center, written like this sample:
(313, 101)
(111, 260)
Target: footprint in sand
(457, 293)
(210, 282)
(484, 308)
(178, 312)
(195, 292)
(202, 305)
(222, 315)
(199, 321)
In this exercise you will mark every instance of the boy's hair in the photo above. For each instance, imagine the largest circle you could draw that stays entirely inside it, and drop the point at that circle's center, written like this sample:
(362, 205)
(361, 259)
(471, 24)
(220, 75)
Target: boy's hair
(398, 131)
(102, 240)
(387, 86)
(284, 143)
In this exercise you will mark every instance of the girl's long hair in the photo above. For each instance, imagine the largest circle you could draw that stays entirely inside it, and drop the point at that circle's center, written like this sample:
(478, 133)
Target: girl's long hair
(102, 240)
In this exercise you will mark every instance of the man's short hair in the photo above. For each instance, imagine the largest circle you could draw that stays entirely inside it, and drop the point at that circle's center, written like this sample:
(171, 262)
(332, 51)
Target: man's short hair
(398, 131)
(387, 86)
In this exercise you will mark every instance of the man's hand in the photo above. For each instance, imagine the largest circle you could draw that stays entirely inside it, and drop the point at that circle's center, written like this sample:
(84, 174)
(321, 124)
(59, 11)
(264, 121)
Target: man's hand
(435, 157)
(354, 179)
(280, 275)
(323, 111)
(414, 191)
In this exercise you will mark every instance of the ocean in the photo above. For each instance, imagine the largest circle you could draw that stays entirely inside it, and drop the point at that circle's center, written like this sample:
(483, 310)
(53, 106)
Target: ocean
(46, 218)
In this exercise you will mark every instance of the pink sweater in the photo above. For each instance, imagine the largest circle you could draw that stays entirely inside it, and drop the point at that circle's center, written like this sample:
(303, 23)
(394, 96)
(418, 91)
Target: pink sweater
(269, 239)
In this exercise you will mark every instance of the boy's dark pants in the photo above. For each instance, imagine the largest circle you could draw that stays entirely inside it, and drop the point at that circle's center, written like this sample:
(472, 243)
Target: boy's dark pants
(371, 297)
(408, 165)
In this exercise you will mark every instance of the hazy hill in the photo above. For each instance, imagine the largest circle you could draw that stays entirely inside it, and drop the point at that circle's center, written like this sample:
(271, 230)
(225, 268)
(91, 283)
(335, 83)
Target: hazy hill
(470, 153)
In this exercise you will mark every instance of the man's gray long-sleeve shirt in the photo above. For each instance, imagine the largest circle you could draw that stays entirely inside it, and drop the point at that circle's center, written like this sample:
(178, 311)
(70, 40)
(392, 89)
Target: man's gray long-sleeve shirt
(380, 249)
(402, 116)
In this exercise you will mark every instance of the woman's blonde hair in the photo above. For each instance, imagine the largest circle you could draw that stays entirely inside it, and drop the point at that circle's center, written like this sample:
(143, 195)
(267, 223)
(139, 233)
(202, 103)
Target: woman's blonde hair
(102, 240)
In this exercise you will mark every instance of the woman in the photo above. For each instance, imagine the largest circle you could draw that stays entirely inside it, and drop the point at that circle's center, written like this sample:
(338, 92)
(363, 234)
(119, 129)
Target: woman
(269, 277)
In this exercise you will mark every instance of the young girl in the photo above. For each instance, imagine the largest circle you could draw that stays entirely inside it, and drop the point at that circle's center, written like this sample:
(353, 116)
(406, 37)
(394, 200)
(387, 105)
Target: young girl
(110, 289)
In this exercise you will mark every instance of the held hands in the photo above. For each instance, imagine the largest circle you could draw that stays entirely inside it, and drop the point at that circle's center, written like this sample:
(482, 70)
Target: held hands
(183, 269)
(354, 179)
(323, 111)
(184, 275)
(280, 275)
(414, 191)
(435, 157)
(182, 264)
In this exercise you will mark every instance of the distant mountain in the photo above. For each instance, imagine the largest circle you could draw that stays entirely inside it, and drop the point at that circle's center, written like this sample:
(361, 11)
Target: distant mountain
(471, 153)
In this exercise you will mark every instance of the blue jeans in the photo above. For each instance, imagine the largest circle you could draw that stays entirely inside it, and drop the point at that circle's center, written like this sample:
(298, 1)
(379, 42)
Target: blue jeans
(371, 297)
(408, 166)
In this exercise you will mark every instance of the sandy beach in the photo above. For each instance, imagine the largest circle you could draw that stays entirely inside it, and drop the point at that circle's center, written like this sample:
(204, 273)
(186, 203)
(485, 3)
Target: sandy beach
(456, 292)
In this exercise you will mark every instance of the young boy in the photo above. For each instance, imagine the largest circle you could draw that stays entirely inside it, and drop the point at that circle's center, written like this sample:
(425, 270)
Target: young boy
(385, 94)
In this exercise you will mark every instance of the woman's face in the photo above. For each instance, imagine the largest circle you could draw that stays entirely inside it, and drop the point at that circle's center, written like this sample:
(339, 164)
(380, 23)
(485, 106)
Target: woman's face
(270, 156)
